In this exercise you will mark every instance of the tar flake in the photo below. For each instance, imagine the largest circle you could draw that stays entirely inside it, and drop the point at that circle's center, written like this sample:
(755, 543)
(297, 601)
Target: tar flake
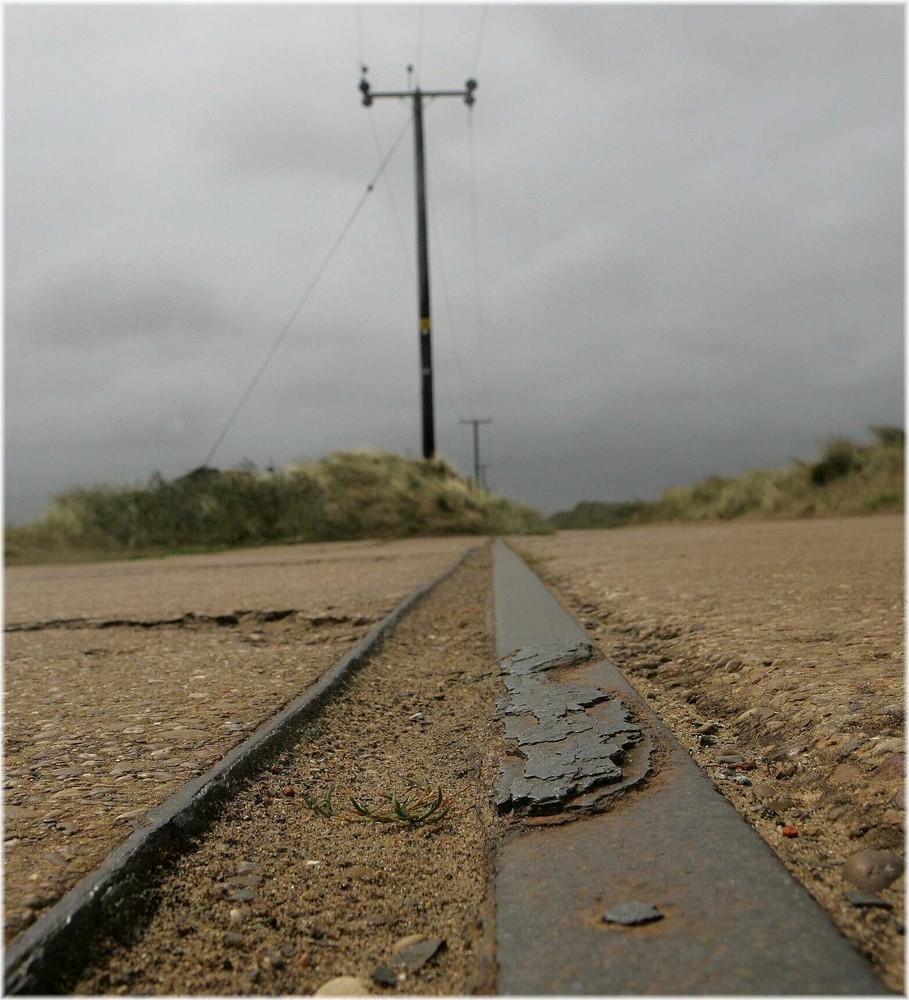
(563, 750)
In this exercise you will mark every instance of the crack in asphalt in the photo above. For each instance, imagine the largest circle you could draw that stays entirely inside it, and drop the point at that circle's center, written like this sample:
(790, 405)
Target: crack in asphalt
(191, 618)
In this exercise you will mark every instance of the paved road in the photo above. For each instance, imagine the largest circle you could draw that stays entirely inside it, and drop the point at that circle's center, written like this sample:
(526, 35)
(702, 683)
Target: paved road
(102, 723)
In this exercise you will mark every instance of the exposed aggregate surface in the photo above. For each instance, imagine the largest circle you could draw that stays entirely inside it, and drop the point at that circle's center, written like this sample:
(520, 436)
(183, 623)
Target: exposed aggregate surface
(278, 900)
(104, 721)
(774, 651)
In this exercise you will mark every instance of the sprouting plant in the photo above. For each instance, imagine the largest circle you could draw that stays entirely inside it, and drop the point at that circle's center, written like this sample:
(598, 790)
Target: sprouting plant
(417, 806)
(323, 808)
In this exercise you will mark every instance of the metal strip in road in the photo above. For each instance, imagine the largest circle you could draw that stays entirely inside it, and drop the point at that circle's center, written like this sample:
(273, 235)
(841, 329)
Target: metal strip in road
(45, 957)
(734, 921)
(526, 613)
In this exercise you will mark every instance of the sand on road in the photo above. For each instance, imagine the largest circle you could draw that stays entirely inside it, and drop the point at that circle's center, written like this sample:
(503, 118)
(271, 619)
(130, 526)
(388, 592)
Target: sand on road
(107, 715)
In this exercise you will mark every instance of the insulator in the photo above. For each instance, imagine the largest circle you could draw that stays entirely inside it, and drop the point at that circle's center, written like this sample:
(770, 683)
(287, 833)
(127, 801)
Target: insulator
(471, 84)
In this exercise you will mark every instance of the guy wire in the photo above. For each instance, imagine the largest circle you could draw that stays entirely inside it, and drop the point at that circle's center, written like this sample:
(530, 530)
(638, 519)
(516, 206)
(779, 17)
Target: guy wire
(254, 381)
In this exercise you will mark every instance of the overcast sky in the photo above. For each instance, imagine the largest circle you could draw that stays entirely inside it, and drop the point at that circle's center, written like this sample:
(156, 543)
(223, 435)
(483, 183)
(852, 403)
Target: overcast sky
(669, 243)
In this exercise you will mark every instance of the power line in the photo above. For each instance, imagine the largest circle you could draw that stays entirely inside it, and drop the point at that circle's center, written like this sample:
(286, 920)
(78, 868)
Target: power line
(475, 228)
(359, 34)
(380, 150)
(310, 289)
(469, 387)
(420, 13)
(437, 255)
(475, 239)
(391, 199)
(476, 57)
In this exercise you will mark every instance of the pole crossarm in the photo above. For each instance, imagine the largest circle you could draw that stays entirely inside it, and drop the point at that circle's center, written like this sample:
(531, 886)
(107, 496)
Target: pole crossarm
(369, 95)
(410, 93)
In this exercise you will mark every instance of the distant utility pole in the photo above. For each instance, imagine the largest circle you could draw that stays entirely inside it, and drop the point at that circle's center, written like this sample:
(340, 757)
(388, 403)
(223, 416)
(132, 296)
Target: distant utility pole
(476, 421)
(417, 95)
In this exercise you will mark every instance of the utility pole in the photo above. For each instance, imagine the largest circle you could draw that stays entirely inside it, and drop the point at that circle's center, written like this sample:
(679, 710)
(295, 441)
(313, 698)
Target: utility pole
(476, 421)
(417, 96)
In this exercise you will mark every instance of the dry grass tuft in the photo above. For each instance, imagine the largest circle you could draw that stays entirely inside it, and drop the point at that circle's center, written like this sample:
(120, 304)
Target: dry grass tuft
(847, 478)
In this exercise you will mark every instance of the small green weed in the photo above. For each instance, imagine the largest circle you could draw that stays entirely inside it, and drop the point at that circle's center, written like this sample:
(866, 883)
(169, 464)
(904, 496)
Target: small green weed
(416, 807)
(419, 805)
(323, 808)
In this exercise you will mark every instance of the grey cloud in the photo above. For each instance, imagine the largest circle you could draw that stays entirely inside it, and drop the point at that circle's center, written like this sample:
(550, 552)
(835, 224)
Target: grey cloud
(254, 144)
(98, 305)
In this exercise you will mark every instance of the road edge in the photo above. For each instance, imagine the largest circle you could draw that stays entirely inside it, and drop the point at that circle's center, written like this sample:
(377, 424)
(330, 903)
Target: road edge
(673, 841)
(58, 945)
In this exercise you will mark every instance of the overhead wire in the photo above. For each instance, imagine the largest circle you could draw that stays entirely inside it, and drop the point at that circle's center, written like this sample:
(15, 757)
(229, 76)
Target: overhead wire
(475, 237)
(381, 152)
(361, 60)
(477, 284)
(476, 55)
(479, 318)
(419, 63)
(394, 207)
(260, 371)
(454, 328)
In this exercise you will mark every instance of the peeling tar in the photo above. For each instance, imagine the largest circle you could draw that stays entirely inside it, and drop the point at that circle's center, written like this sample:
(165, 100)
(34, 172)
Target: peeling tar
(563, 751)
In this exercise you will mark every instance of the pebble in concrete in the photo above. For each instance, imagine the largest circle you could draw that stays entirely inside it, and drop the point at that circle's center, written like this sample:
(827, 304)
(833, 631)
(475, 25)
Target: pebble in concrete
(343, 986)
(866, 900)
(383, 976)
(415, 950)
(873, 870)
(632, 913)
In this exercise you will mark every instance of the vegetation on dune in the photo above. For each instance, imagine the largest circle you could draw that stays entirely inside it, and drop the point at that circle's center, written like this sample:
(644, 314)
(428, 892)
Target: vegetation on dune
(847, 478)
(597, 514)
(372, 494)
(348, 495)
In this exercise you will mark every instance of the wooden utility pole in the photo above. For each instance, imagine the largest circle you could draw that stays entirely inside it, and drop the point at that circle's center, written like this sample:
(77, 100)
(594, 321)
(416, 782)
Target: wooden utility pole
(476, 421)
(417, 96)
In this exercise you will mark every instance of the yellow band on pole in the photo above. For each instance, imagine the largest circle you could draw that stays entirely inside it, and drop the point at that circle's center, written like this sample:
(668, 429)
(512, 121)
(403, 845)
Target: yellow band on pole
(424, 324)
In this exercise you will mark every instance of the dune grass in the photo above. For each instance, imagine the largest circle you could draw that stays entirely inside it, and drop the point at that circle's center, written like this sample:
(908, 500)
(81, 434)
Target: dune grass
(845, 479)
(374, 494)
(347, 495)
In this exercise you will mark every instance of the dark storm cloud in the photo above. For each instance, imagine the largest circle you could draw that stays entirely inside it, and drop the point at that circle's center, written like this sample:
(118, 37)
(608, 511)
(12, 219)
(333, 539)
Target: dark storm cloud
(94, 306)
(690, 226)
